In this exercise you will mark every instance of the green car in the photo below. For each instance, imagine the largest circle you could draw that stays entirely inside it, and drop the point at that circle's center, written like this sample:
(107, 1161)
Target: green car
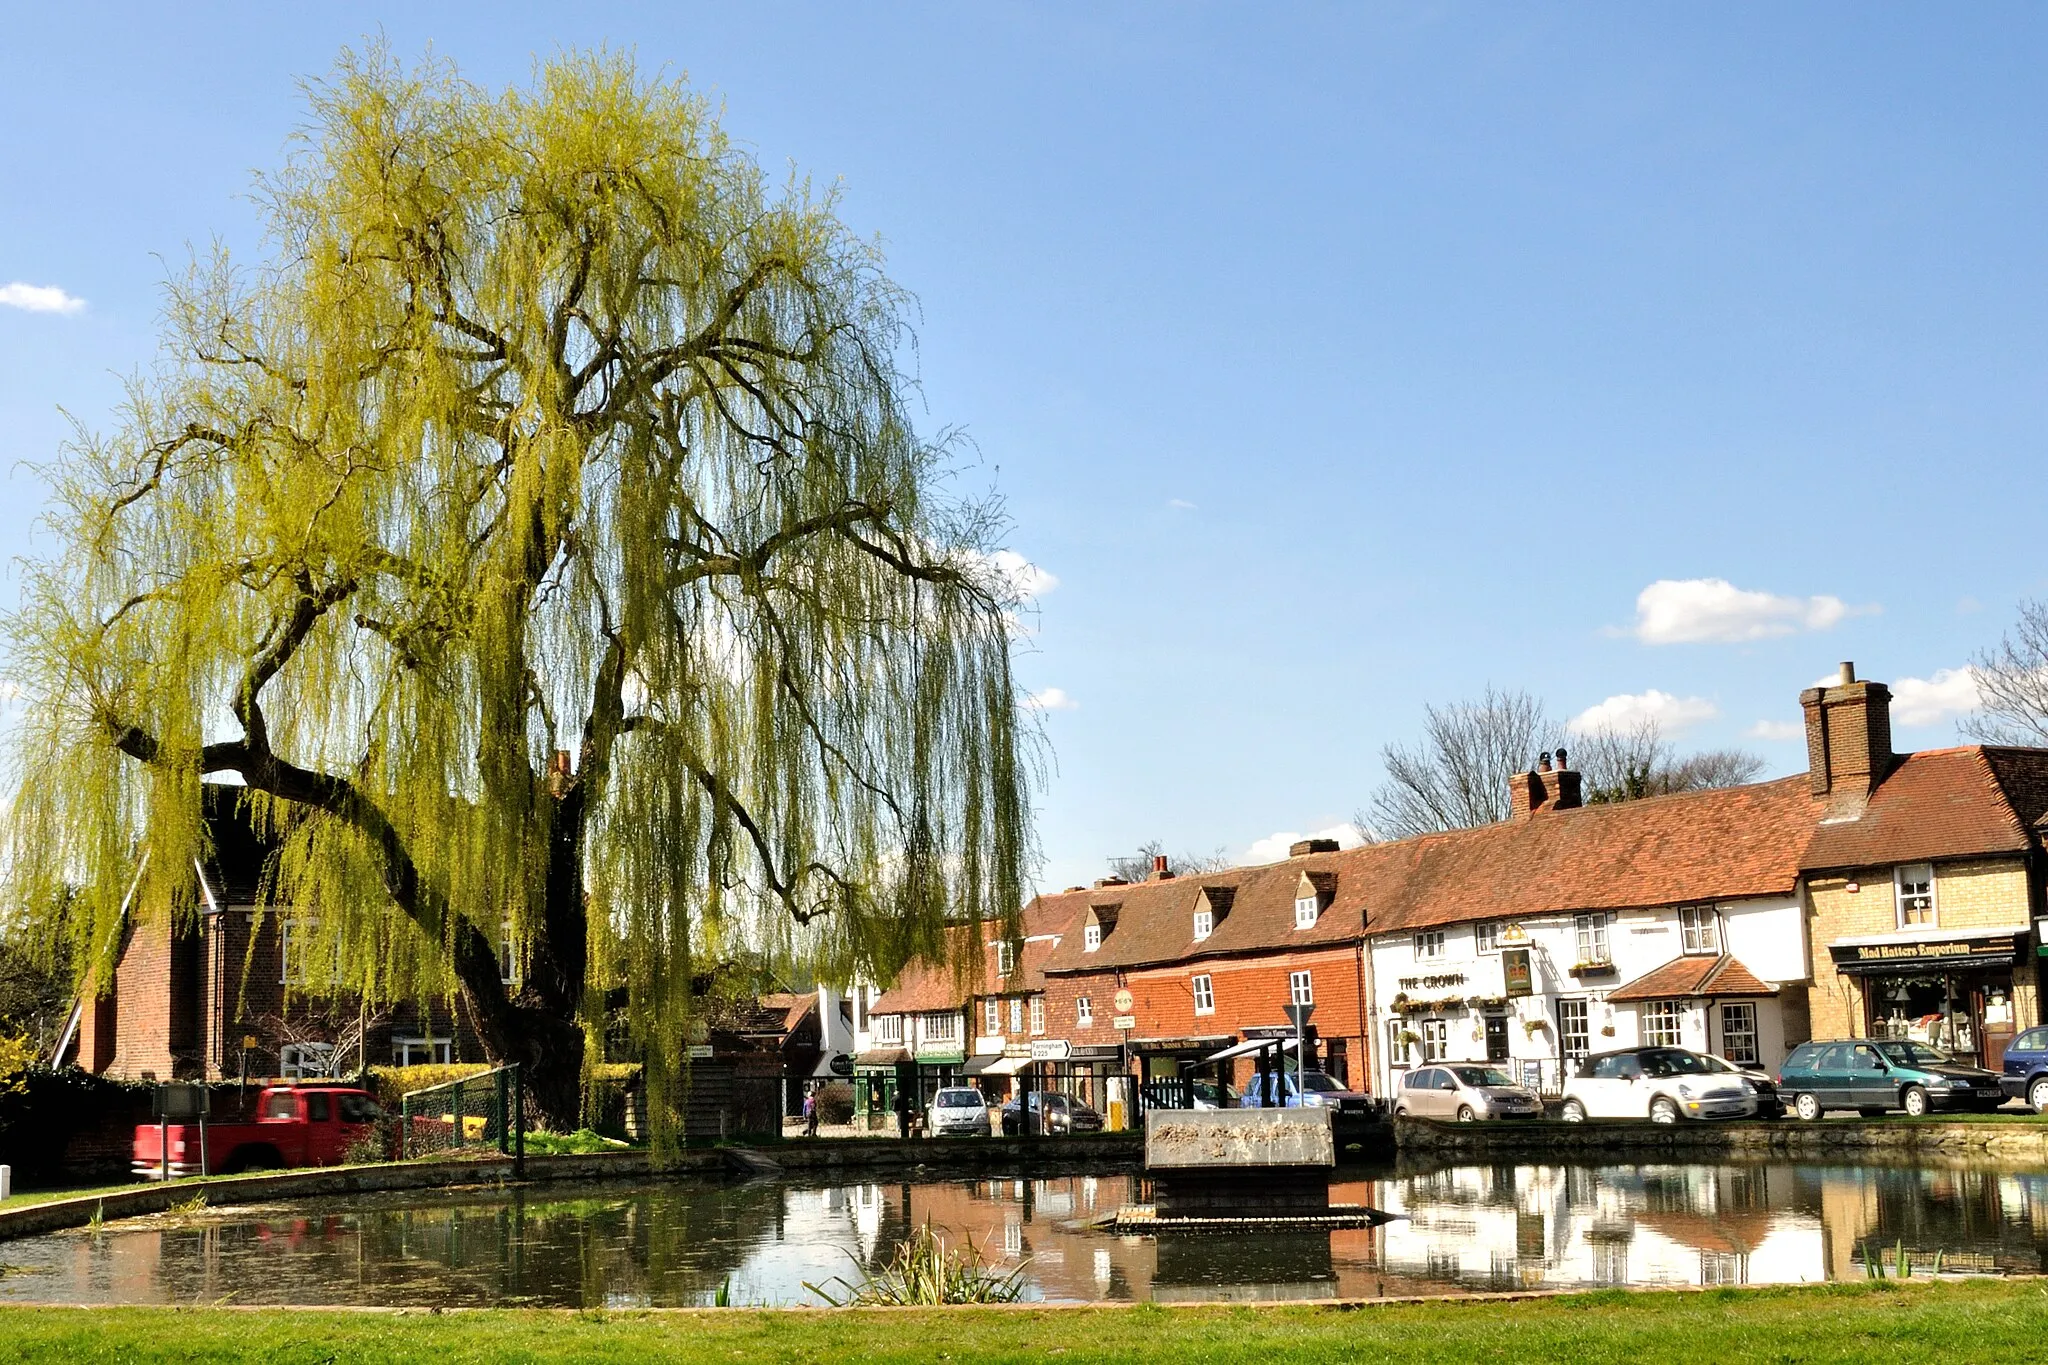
(1876, 1075)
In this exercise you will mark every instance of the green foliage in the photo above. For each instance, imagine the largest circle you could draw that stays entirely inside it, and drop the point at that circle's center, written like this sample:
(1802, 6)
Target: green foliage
(582, 1142)
(548, 425)
(835, 1103)
(925, 1272)
(390, 1084)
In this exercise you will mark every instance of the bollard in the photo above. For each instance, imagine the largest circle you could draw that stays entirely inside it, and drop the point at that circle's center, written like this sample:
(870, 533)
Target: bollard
(6, 1182)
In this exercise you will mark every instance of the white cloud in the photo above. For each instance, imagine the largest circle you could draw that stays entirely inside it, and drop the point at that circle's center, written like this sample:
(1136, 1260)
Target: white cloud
(1051, 699)
(1671, 714)
(1180, 504)
(1951, 692)
(39, 298)
(1273, 847)
(1776, 729)
(1675, 611)
(1028, 580)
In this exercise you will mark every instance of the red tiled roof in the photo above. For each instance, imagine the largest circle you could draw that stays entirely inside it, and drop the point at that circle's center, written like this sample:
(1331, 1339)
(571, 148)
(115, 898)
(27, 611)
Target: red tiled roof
(1942, 803)
(1698, 977)
(924, 986)
(1723, 844)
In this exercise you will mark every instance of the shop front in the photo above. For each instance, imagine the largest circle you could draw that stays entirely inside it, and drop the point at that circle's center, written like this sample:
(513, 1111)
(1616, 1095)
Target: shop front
(1957, 991)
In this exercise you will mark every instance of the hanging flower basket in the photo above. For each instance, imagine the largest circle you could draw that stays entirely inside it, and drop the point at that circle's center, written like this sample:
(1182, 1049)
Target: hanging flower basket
(1532, 1027)
(1601, 968)
(1409, 1038)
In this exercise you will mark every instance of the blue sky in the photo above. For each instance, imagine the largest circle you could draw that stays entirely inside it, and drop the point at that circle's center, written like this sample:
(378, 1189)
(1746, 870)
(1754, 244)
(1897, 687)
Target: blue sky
(1332, 360)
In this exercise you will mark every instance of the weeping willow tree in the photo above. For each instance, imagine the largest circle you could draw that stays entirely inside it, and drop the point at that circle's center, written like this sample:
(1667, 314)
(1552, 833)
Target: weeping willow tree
(539, 536)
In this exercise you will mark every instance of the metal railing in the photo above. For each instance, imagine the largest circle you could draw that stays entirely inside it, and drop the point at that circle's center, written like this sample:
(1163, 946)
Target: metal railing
(474, 1113)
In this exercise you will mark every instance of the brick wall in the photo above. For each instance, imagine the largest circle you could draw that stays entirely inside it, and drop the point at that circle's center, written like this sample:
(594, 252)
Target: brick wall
(1989, 893)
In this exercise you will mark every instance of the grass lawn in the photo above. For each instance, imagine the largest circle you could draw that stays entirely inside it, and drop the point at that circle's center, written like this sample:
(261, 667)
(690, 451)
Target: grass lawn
(1967, 1321)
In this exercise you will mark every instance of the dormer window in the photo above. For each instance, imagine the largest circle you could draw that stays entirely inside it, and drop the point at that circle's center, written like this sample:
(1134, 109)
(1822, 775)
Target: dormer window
(1091, 937)
(1101, 920)
(1305, 910)
(1205, 923)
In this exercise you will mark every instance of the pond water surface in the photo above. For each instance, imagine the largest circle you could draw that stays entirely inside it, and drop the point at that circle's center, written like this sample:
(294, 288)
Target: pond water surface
(1464, 1229)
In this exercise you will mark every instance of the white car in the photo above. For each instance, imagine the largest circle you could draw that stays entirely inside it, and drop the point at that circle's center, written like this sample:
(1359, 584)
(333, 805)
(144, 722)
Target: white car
(958, 1112)
(1661, 1084)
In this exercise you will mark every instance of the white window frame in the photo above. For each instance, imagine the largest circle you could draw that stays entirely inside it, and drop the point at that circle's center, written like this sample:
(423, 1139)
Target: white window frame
(1301, 988)
(1306, 911)
(1591, 939)
(1486, 936)
(941, 1026)
(1038, 1014)
(1662, 1023)
(1204, 988)
(1205, 924)
(1738, 1020)
(1006, 959)
(992, 1016)
(1575, 1028)
(306, 1061)
(1091, 937)
(435, 1051)
(1436, 1040)
(1429, 945)
(1699, 930)
(1084, 1012)
(1913, 896)
(888, 1028)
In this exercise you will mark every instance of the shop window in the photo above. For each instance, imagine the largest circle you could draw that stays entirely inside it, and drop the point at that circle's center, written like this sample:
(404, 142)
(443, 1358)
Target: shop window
(1205, 995)
(1700, 928)
(1592, 938)
(1084, 1012)
(1661, 1020)
(1915, 890)
(1305, 911)
(1738, 1033)
(1574, 1034)
(1436, 1037)
(1038, 1014)
(1486, 937)
(1429, 945)
(992, 1016)
(1205, 924)
(1300, 989)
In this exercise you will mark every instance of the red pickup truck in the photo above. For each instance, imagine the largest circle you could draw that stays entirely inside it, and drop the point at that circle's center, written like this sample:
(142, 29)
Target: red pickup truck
(296, 1125)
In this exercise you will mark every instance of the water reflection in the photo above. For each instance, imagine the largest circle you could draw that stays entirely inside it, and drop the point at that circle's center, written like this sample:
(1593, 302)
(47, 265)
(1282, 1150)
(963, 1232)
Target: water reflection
(1465, 1228)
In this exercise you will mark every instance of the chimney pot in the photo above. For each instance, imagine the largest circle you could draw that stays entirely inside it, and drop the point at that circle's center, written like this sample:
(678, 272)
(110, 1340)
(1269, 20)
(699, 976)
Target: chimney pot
(1561, 764)
(1848, 674)
(1159, 872)
(1543, 762)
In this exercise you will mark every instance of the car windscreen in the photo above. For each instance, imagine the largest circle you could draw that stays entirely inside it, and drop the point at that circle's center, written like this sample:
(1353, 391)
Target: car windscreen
(959, 1099)
(1913, 1054)
(1673, 1062)
(1483, 1075)
(1316, 1080)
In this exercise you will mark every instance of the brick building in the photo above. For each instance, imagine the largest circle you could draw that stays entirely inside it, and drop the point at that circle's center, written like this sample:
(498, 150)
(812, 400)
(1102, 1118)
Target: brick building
(220, 996)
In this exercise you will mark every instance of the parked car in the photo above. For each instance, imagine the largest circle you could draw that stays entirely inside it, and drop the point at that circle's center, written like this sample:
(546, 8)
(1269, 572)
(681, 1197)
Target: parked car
(1051, 1112)
(1465, 1091)
(1879, 1074)
(2026, 1069)
(1662, 1084)
(1314, 1090)
(1210, 1095)
(1769, 1105)
(958, 1112)
(295, 1126)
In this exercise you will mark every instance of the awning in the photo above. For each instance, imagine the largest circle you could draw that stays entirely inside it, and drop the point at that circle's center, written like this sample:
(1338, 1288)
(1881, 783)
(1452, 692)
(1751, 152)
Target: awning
(1925, 951)
(1249, 1046)
(1200, 1042)
(882, 1057)
(996, 1066)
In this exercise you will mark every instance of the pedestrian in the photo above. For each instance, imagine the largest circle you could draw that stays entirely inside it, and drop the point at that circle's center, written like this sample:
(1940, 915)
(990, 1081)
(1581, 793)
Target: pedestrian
(902, 1113)
(811, 1111)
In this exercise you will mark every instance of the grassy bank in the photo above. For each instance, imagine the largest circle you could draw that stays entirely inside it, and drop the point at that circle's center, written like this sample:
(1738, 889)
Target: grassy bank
(1978, 1320)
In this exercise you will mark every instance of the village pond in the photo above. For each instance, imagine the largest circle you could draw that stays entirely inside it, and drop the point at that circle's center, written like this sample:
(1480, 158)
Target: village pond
(1464, 1229)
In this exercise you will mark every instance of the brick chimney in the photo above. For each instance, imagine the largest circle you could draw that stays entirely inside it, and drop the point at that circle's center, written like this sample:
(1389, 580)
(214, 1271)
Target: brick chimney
(1301, 848)
(1545, 788)
(1848, 739)
(1159, 869)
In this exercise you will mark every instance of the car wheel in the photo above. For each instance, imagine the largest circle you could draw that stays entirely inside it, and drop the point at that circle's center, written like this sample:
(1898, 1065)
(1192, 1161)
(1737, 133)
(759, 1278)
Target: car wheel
(1400, 1111)
(1914, 1101)
(1807, 1107)
(2037, 1096)
(1663, 1110)
(1465, 1114)
(1574, 1112)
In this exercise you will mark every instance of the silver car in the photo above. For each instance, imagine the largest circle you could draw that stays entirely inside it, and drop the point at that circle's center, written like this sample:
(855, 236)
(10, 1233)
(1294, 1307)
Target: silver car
(958, 1112)
(1464, 1091)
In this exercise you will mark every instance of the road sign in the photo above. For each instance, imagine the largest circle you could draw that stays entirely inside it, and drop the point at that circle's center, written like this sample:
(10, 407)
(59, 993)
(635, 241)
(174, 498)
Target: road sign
(1123, 1002)
(1051, 1050)
(1125, 1021)
(1297, 1015)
